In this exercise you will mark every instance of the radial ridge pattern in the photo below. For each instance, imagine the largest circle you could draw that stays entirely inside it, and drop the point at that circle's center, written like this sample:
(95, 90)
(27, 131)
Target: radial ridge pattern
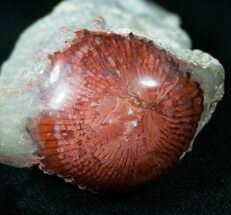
(118, 112)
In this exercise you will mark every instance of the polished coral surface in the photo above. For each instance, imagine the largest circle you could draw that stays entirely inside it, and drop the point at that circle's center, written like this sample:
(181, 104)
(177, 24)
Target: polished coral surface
(117, 111)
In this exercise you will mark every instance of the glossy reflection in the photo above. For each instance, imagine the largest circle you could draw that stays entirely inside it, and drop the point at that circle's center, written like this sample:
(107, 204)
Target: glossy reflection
(148, 82)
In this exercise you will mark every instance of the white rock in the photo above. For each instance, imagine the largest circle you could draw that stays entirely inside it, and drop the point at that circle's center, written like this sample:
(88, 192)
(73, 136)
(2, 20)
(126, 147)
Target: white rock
(26, 63)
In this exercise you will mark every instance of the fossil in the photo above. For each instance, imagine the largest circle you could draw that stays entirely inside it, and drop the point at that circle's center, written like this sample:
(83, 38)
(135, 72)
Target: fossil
(105, 94)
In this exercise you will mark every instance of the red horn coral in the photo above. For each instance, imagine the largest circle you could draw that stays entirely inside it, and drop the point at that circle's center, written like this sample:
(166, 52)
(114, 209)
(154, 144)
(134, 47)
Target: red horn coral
(119, 111)
(108, 102)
